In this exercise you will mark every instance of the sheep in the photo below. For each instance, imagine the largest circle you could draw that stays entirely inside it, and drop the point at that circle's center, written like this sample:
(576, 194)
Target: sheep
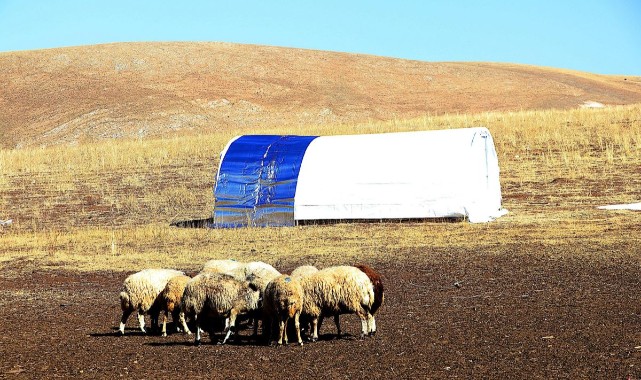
(377, 283)
(303, 270)
(140, 293)
(218, 295)
(259, 274)
(283, 300)
(338, 290)
(221, 266)
(170, 303)
(256, 272)
(298, 273)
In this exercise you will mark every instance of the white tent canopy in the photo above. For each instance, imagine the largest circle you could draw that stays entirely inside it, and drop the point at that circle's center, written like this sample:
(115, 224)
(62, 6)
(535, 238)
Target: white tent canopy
(431, 174)
(270, 180)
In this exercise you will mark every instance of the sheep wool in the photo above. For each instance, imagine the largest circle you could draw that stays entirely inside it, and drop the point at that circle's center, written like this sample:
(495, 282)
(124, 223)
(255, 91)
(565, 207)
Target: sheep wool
(221, 266)
(218, 295)
(303, 270)
(283, 300)
(140, 292)
(338, 290)
(257, 272)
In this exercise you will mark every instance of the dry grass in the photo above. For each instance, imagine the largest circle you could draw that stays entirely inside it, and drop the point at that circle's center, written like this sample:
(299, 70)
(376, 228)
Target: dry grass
(107, 205)
(91, 93)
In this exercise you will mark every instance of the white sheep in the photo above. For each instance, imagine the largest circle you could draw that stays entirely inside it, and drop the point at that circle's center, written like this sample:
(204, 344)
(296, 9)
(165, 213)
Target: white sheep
(140, 293)
(257, 272)
(283, 299)
(338, 290)
(298, 273)
(377, 283)
(303, 270)
(169, 301)
(218, 295)
(221, 266)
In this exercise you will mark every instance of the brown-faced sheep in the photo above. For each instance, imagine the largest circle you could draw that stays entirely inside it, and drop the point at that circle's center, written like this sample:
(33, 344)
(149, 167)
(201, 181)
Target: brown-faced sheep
(218, 295)
(338, 290)
(283, 300)
(140, 292)
(170, 303)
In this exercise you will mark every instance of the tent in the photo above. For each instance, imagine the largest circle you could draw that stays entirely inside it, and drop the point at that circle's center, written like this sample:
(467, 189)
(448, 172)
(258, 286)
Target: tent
(271, 180)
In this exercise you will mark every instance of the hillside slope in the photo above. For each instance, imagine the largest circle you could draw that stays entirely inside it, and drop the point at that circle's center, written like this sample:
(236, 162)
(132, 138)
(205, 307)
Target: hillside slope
(67, 95)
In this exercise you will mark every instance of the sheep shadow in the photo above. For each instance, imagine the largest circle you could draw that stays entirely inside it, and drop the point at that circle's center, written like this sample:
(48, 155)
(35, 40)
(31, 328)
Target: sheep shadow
(194, 223)
(240, 341)
(244, 341)
(129, 331)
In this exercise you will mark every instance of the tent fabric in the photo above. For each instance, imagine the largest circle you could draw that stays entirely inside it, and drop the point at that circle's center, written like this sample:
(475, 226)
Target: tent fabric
(282, 180)
(430, 174)
(257, 179)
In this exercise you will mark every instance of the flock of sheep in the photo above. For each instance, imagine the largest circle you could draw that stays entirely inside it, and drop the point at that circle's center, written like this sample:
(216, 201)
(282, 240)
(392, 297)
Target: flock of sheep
(229, 289)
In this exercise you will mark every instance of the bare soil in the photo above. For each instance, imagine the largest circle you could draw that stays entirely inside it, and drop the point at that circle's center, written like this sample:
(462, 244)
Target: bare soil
(513, 311)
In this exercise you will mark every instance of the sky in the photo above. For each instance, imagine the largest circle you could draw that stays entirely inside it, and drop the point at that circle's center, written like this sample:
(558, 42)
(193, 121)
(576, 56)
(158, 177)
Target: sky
(598, 36)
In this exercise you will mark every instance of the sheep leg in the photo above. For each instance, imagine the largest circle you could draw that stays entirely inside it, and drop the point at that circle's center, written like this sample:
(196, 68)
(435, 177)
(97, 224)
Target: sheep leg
(272, 330)
(164, 323)
(155, 316)
(232, 325)
(141, 322)
(314, 329)
(179, 320)
(123, 321)
(372, 324)
(320, 322)
(297, 326)
(282, 330)
(175, 317)
(268, 329)
(183, 322)
(198, 331)
(338, 325)
(364, 328)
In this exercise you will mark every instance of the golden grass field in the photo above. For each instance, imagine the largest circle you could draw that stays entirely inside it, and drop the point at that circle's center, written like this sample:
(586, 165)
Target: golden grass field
(108, 205)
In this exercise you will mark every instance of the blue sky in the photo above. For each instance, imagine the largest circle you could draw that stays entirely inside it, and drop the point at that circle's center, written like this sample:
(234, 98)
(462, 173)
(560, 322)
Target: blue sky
(595, 36)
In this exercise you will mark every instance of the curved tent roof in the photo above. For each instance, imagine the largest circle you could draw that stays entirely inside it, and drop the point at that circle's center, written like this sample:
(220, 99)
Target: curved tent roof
(281, 180)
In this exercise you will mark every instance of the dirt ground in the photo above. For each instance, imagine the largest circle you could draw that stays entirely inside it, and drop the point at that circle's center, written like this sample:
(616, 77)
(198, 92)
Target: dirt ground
(517, 312)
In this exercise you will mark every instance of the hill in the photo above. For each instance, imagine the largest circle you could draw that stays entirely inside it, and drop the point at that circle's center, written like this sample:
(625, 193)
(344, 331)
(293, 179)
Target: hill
(70, 95)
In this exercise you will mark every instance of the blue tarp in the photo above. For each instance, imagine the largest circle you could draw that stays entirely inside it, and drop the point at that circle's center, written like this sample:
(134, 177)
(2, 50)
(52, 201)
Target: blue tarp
(257, 181)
